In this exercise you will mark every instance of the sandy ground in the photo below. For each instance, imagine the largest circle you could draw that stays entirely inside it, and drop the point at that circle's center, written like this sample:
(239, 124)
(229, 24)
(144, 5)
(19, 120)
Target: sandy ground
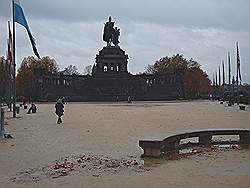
(113, 130)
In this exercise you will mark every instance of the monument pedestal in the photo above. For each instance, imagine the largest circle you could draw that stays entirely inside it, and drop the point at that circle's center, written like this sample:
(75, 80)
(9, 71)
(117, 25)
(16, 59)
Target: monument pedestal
(110, 61)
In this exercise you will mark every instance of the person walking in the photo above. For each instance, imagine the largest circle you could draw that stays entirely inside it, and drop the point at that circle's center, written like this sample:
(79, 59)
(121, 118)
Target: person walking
(59, 110)
(32, 109)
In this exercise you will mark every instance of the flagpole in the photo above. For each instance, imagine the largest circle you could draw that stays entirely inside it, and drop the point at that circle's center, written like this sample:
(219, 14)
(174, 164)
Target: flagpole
(9, 53)
(223, 80)
(223, 73)
(14, 60)
(216, 78)
(237, 79)
(219, 77)
(229, 69)
(213, 80)
(229, 77)
(233, 84)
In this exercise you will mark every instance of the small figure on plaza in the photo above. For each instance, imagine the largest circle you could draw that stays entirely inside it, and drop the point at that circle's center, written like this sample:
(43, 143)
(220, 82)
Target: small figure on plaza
(59, 110)
(32, 108)
(129, 99)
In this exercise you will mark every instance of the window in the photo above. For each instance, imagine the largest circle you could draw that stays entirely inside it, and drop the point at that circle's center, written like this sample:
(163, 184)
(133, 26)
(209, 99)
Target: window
(112, 67)
(105, 68)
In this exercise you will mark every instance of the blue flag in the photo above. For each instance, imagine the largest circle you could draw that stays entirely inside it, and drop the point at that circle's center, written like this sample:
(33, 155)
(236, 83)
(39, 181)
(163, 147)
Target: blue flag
(20, 18)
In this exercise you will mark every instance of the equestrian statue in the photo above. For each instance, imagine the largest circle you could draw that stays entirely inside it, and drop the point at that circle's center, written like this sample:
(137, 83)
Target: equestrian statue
(111, 34)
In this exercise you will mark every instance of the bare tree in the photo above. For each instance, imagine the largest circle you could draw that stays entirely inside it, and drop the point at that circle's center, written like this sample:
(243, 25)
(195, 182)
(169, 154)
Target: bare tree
(88, 70)
(70, 70)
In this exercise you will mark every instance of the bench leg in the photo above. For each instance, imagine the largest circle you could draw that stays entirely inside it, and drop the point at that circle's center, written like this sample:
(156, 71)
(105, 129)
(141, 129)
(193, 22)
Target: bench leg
(205, 140)
(151, 152)
(171, 146)
(244, 138)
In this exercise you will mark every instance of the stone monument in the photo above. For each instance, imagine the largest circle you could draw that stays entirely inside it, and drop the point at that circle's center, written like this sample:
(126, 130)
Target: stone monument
(111, 60)
(110, 79)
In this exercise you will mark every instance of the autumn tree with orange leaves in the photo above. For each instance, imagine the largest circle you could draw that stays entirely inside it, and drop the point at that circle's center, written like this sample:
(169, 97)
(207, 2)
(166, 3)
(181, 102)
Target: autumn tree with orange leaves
(196, 81)
(25, 80)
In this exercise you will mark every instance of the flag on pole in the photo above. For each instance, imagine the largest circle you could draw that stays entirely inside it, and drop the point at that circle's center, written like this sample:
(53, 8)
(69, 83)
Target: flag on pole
(219, 77)
(20, 18)
(238, 62)
(216, 80)
(223, 73)
(233, 80)
(9, 52)
(9, 55)
(229, 69)
(213, 80)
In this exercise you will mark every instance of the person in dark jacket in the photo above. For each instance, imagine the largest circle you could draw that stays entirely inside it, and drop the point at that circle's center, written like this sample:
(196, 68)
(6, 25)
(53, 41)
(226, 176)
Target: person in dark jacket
(32, 109)
(59, 110)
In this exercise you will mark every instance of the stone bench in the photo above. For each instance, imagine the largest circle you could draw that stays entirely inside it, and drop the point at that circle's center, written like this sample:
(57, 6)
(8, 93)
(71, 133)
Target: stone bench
(242, 107)
(155, 146)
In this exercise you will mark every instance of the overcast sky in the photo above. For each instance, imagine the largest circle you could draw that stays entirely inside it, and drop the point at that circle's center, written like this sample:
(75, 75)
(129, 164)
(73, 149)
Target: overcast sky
(70, 31)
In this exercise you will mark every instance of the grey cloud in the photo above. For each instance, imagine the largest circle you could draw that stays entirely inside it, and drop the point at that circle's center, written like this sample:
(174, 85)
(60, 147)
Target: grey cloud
(71, 31)
(207, 46)
(231, 14)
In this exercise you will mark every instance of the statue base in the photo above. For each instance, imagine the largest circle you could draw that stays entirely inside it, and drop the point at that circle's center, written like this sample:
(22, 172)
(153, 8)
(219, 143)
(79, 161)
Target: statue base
(110, 61)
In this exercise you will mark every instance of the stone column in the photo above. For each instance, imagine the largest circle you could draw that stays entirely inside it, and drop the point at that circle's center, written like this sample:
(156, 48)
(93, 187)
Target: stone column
(150, 148)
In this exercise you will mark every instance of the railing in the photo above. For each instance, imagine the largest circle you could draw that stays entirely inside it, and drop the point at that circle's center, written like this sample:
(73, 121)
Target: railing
(154, 147)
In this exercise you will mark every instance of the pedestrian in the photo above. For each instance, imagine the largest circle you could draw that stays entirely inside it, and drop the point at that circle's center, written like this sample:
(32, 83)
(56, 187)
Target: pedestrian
(59, 110)
(129, 99)
(24, 101)
(32, 109)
